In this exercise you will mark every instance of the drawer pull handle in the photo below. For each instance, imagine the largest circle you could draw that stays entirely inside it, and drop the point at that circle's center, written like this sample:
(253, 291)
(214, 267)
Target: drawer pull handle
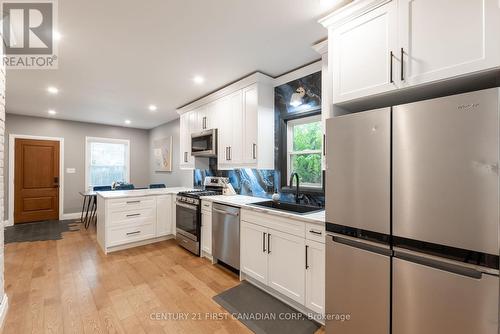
(134, 215)
(133, 202)
(132, 233)
(315, 232)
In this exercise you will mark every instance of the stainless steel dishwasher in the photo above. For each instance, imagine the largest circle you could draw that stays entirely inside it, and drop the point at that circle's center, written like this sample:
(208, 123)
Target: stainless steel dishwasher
(226, 234)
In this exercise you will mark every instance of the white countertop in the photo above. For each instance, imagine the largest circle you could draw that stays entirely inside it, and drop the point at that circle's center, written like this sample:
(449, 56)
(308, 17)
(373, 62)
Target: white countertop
(244, 201)
(140, 192)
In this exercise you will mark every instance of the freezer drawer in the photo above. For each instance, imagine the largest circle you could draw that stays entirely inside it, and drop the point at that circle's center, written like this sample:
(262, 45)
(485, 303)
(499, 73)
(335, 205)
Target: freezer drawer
(358, 285)
(434, 301)
(358, 173)
(445, 171)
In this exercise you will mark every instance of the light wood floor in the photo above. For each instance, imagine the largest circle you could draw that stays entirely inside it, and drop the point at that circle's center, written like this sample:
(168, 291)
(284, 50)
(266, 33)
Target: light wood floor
(70, 286)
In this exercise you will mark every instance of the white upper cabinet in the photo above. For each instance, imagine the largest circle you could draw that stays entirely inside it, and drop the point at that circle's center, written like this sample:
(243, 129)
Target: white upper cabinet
(243, 114)
(230, 131)
(363, 54)
(378, 46)
(447, 38)
(186, 160)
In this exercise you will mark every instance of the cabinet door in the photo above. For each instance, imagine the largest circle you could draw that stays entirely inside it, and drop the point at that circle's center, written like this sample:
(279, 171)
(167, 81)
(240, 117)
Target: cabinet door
(230, 131)
(286, 265)
(206, 232)
(440, 43)
(254, 256)
(250, 105)
(315, 276)
(362, 61)
(185, 141)
(163, 215)
(224, 129)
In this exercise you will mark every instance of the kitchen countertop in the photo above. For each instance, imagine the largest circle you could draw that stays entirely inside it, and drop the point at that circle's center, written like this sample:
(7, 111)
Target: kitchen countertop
(140, 192)
(244, 201)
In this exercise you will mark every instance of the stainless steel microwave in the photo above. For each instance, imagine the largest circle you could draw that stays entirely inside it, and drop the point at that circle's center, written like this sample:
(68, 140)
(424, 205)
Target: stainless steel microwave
(204, 144)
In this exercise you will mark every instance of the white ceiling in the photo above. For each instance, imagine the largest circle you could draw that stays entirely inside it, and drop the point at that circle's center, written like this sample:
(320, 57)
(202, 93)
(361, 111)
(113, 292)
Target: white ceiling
(118, 56)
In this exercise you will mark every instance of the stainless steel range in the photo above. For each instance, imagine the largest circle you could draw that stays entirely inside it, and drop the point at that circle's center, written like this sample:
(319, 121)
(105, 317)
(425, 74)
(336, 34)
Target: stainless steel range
(188, 213)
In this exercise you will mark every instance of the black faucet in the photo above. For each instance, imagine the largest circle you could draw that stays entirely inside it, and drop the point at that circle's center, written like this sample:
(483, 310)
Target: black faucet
(297, 192)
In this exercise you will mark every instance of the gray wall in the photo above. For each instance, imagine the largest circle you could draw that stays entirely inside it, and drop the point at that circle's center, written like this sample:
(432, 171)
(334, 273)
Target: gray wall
(177, 177)
(74, 134)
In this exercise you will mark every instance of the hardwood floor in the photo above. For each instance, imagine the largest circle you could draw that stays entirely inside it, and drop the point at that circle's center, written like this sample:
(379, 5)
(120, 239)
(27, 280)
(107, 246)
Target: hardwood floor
(70, 286)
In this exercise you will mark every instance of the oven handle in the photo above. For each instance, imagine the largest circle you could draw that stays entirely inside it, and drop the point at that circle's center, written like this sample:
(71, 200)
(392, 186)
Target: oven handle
(187, 206)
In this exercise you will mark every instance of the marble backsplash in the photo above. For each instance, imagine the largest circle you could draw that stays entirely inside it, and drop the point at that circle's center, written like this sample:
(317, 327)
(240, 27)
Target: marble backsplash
(254, 182)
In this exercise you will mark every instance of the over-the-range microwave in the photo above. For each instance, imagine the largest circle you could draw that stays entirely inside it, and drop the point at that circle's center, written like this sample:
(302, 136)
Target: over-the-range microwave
(204, 144)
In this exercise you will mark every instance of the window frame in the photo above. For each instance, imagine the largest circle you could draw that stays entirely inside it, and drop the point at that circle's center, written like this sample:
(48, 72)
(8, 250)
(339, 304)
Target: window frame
(89, 140)
(290, 152)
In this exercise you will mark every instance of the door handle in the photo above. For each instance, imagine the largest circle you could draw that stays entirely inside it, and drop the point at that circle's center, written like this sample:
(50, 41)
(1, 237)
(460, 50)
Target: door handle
(133, 215)
(185, 157)
(315, 232)
(324, 144)
(254, 148)
(135, 232)
(269, 243)
(56, 181)
(307, 262)
(402, 64)
(440, 265)
(391, 80)
(264, 241)
(230, 155)
(204, 122)
(225, 212)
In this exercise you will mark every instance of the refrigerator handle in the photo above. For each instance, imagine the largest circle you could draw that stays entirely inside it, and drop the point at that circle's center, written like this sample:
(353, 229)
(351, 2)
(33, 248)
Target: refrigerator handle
(441, 265)
(363, 246)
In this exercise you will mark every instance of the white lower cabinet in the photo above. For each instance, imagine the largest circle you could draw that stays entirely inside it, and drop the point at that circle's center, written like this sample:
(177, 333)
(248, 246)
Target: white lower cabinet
(164, 215)
(287, 264)
(253, 250)
(315, 276)
(277, 259)
(206, 233)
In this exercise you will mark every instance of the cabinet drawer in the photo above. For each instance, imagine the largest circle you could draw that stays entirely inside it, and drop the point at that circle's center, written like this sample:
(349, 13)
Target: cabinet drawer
(147, 215)
(132, 203)
(206, 205)
(315, 232)
(279, 223)
(131, 233)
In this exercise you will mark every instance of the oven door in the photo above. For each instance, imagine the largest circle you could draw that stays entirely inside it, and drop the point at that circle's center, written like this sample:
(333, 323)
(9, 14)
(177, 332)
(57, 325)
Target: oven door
(187, 220)
(204, 143)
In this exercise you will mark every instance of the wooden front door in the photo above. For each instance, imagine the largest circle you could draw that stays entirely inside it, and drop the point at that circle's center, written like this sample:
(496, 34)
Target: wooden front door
(36, 180)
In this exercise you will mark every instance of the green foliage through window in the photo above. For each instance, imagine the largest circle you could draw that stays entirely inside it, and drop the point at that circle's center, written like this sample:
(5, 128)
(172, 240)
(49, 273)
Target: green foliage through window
(305, 155)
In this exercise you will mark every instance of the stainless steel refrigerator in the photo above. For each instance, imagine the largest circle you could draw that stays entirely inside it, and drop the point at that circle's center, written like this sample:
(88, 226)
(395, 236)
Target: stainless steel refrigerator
(412, 210)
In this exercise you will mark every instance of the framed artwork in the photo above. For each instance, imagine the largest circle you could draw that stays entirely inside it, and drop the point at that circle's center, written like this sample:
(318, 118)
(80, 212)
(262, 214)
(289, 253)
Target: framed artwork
(162, 154)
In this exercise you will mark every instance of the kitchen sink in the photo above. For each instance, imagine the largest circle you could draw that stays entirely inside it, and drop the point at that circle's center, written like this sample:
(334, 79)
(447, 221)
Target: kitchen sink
(288, 207)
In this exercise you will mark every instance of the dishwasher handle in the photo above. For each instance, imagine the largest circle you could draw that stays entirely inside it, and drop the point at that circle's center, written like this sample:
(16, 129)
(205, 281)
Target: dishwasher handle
(235, 214)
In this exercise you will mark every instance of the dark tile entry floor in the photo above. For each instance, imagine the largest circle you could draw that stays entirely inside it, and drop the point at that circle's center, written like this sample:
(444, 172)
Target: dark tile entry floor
(40, 231)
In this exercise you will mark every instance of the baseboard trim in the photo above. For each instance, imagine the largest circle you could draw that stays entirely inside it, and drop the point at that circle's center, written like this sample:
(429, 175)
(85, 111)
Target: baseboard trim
(74, 215)
(4, 306)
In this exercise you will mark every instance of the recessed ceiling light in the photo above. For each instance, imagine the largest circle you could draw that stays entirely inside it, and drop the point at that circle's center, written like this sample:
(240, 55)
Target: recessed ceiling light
(52, 90)
(152, 107)
(127, 121)
(198, 79)
(52, 112)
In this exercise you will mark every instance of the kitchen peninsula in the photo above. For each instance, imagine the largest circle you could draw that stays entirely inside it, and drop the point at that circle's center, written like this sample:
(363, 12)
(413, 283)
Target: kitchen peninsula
(130, 218)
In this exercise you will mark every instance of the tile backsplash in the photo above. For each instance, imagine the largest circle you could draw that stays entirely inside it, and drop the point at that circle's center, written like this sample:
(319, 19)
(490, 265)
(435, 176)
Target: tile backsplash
(253, 182)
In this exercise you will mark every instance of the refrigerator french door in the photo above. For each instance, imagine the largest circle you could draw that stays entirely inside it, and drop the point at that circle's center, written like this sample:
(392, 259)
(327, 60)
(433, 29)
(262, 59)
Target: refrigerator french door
(358, 261)
(446, 215)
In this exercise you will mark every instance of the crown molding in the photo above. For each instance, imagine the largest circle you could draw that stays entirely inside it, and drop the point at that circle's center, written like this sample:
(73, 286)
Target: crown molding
(350, 11)
(321, 47)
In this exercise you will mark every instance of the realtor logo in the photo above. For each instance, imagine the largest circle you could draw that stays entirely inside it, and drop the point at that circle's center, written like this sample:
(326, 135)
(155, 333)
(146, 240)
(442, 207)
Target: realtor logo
(29, 34)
